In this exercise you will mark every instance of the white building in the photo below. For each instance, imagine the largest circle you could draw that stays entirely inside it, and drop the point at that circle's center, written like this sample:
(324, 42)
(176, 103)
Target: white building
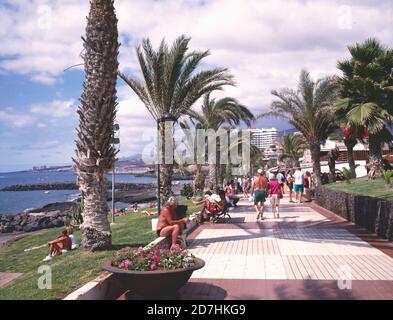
(263, 138)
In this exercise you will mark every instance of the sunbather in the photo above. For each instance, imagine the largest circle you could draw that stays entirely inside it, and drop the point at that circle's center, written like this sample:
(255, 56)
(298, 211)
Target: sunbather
(168, 225)
(57, 246)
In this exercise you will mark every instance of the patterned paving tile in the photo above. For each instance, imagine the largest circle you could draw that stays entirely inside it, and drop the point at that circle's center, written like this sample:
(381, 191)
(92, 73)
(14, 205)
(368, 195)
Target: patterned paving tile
(282, 251)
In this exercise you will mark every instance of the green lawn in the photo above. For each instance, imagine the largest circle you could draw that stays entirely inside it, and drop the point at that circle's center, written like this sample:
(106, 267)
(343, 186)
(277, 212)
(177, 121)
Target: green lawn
(373, 188)
(73, 269)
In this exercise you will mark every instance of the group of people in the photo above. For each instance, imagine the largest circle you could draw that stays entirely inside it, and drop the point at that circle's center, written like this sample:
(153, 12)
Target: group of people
(273, 187)
(261, 187)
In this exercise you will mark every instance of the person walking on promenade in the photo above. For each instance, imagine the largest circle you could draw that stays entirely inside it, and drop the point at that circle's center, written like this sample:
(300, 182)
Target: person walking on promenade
(258, 187)
(298, 186)
(290, 180)
(245, 186)
(307, 186)
(281, 179)
(275, 193)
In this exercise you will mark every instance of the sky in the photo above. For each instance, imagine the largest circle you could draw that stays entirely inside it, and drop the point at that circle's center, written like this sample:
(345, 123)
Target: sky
(265, 44)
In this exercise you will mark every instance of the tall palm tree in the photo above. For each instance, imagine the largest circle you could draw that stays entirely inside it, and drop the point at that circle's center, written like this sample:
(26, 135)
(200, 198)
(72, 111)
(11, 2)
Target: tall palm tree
(171, 85)
(190, 142)
(351, 132)
(292, 147)
(309, 110)
(366, 93)
(95, 155)
(214, 114)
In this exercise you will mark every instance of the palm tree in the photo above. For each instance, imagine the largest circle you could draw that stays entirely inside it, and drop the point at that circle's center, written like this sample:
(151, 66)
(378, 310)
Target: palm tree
(292, 147)
(309, 110)
(214, 114)
(350, 132)
(171, 85)
(95, 155)
(191, 145)
(333, 156)
(366, 94)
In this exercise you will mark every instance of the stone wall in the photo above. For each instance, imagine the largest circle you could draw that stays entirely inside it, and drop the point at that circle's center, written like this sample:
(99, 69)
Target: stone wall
(373, 214)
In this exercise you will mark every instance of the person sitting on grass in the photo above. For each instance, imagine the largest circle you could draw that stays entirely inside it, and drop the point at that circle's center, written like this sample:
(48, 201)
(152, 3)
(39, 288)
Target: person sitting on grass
(61, 244)
(70, 233)
(167, 225)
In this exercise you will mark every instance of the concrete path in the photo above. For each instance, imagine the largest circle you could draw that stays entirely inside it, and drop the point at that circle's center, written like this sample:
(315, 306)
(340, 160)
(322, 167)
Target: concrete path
(306, 254)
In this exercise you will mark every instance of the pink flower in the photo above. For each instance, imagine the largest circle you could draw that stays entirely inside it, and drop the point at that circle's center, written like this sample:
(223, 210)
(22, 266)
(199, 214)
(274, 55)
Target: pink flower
(153, 267)
(125, 264)
(139, 250)
(156, 259)
(175, 248)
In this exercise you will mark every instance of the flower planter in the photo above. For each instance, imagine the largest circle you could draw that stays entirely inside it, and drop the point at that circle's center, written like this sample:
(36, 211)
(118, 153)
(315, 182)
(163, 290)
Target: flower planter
(154, 283)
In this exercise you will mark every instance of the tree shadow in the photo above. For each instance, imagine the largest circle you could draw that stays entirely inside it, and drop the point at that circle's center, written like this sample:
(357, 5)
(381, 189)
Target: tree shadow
(313, 290)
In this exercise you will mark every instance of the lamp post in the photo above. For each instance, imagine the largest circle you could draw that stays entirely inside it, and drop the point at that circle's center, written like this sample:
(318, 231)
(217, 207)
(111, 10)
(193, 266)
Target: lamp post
(167, 117)
(116, 140)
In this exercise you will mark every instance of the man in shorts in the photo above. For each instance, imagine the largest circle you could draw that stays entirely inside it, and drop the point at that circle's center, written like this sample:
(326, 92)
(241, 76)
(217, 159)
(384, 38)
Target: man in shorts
(258, 187)
(298, 186)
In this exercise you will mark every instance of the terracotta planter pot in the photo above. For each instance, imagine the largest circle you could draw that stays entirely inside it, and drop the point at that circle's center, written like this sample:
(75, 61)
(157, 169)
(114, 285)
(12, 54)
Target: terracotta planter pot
(154, 283)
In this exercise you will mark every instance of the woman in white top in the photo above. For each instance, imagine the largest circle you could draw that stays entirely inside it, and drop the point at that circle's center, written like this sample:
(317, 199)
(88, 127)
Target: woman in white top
(298, 186)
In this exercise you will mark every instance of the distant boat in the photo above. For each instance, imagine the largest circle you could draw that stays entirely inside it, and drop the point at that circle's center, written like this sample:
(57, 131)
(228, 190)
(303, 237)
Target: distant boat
(46, 192)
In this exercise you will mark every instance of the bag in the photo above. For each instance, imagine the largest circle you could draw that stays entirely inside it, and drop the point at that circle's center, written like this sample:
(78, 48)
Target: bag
(181, 211)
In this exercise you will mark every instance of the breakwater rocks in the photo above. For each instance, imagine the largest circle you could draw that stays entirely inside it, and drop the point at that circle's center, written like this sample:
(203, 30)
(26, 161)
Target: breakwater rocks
(50, 216)
(73, 186)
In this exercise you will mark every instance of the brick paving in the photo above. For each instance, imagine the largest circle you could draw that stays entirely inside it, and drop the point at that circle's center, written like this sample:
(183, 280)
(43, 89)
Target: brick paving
(302, 255)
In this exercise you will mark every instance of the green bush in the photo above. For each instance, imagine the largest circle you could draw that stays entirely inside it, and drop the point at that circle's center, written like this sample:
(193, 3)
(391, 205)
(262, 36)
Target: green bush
(347, 173)
(387, 175)
(186, 191)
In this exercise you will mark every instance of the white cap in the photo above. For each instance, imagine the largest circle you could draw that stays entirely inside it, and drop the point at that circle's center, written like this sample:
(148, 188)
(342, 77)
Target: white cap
(260, 171)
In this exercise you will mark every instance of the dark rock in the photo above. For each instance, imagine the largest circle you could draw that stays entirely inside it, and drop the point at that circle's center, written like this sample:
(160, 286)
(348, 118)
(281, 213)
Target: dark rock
(31, 227)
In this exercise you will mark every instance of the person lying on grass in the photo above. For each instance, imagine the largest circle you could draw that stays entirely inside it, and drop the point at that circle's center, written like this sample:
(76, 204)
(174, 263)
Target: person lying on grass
(61, 244)
(167, 225)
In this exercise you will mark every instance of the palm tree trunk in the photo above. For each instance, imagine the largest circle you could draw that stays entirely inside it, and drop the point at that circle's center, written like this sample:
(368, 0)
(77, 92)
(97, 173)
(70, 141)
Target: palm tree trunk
(97, 111)
(198, 183)
(166, 171)
(315, 149)
(350, 144)
(212, 179)
(375, 155)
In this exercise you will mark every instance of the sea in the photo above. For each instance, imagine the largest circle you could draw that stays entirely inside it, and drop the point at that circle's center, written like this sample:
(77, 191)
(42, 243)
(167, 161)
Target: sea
(12, 202)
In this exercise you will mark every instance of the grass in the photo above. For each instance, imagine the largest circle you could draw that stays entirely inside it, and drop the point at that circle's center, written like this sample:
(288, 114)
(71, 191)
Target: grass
(373, 188)
(73, 269)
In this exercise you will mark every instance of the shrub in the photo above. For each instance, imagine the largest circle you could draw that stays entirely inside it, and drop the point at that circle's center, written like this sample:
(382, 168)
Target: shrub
(186, 191)
(387, 175)
(347, 174)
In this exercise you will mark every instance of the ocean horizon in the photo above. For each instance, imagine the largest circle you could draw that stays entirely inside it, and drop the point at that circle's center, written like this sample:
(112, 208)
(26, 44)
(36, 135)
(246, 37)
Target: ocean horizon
(13, 202)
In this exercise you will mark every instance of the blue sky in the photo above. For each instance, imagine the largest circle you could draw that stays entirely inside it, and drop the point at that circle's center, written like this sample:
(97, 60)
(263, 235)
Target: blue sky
(264, 43)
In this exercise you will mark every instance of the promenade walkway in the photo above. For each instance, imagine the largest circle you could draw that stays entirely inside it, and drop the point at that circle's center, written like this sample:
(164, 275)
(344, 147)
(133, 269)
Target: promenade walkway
(309, 253)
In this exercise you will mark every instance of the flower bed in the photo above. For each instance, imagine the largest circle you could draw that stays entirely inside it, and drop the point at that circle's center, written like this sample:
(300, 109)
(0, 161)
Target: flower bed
(153, 259)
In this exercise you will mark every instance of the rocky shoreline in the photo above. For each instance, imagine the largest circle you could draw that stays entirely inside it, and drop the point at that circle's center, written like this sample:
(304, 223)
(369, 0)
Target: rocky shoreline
(50, 216)
(56, 214)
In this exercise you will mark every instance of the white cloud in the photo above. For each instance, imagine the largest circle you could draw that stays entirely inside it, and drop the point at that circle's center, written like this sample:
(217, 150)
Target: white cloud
(265, 44)
(18, 120)
(56, 108)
